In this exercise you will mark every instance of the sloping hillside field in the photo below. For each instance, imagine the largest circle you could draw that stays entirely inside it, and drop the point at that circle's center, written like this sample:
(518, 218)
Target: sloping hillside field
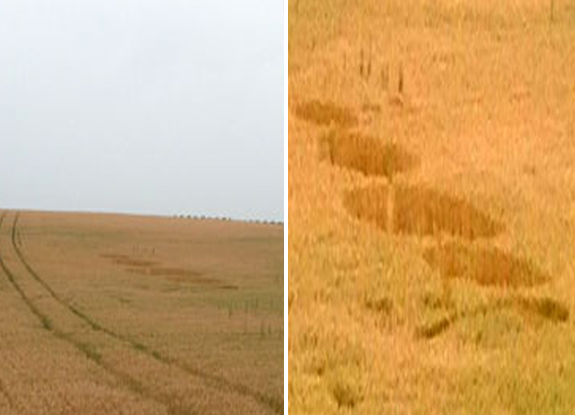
(431, 207)
(111, 314)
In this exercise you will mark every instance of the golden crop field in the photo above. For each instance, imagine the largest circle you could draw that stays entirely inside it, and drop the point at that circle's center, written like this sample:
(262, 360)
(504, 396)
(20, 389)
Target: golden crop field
(118, 314)
(431, 195)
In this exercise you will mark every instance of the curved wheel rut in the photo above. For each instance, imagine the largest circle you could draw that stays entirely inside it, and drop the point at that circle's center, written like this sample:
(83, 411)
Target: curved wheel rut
(47, 325)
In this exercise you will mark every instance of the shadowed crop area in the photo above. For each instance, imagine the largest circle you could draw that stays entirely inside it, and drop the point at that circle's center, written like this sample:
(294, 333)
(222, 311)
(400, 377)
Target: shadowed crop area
(431, 194)
(419, 211)
(128, 314)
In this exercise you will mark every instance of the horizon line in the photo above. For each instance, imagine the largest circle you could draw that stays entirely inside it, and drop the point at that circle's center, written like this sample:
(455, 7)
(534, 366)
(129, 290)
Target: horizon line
(195, 216)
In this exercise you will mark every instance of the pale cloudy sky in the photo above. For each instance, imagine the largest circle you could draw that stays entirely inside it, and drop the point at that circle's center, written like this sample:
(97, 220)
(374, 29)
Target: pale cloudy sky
(144, 106)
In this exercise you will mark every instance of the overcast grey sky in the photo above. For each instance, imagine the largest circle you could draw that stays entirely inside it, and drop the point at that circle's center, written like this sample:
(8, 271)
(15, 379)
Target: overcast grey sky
(144, 106)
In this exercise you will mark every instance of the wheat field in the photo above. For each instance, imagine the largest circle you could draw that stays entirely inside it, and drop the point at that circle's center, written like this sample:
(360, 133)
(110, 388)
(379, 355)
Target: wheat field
(431, 194)
(120, 314)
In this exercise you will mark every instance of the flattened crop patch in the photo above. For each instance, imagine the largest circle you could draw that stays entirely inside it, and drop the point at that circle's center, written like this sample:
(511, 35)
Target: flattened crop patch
(326, 113)
(120, 259)
(366, 154)
(485, 266)
(181, 275)
(546, 308)
(178, 275)
(419, 211)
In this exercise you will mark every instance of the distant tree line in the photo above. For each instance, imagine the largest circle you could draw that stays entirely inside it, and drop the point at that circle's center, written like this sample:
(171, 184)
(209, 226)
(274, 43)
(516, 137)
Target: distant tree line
(228, 219)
